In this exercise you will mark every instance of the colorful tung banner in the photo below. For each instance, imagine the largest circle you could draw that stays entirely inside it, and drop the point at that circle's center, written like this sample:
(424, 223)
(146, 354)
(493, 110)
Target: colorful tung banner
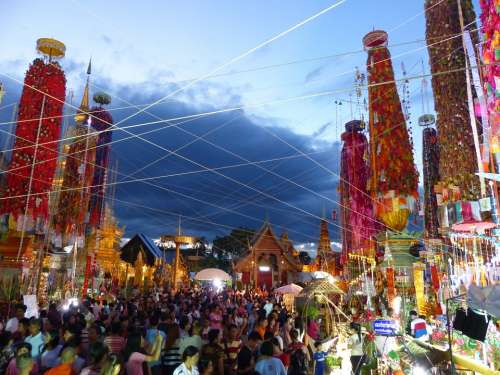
(418, 277)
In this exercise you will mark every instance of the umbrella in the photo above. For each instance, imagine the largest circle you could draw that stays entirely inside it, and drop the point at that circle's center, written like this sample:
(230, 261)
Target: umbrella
(210, 274)
(289, 289)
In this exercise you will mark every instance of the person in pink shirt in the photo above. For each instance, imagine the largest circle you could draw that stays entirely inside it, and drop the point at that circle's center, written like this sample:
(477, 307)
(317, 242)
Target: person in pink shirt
(313, 329)
(134, 353)
(216, 318)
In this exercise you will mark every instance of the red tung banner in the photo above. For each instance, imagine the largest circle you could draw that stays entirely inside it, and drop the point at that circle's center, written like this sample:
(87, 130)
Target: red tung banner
(389, 272)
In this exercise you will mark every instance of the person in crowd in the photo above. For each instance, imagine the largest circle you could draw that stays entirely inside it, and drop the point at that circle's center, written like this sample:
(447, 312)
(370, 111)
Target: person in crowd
(35, 339)
(272, 324)
(299, 355)
(171, 358)
(215, 318)
(151, 334)
(112, 365)
(419, 327)
(205, 366)
(184, 327)
(75, 343)
(247, 357)
(114, 340)
(190, 358)
(267, 363)
(278, 352)
(268, 307)
(135, 355)
(313, 329)
(319, 357)
(68, 357)
(21, 350)
(51, 350)
(97, 358)
(231, 348)
(214, 351)
(13, 323)
(193, 338)
(261, 327)
(356, 340)
(24, 364)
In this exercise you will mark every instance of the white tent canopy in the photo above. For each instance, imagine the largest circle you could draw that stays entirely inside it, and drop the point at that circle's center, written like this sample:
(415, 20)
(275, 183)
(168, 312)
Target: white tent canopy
(289, 289)
(210, 274)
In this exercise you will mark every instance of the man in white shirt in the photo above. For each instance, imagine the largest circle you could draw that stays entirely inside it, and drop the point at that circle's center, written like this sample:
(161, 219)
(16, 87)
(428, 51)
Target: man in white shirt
(268, 307)
(13, 323)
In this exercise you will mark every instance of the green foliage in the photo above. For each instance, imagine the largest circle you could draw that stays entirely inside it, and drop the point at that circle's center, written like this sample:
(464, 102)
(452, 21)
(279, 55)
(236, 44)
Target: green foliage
(236, 243)
(311, 312)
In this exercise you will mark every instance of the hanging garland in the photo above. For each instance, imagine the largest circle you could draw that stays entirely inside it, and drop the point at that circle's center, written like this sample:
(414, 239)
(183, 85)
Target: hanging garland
(78, 173)
(431, 178)
(490, 27)
(357, 210)
(101, 121)
(48, 78)
(458, 161)
(394, 169)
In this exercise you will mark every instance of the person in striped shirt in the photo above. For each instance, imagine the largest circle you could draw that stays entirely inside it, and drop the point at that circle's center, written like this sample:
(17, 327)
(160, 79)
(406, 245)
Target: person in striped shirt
(115, 341)
(232, 347)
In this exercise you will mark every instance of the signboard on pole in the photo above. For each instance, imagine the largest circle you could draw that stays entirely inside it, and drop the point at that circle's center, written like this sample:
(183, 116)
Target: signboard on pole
(32, 306)
(384, 327)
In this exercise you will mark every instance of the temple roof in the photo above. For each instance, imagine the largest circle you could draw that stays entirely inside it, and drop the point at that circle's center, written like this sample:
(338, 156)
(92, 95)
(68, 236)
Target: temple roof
(284, 245)
(131, 249)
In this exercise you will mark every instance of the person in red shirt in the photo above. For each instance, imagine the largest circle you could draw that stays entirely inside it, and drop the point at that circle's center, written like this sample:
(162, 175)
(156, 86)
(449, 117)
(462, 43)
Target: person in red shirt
(232, 348)
(278, 353)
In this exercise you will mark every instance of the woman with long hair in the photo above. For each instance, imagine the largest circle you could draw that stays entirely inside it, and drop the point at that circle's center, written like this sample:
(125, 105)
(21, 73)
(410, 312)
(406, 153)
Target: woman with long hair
(134, 353)
(170, 356)
(190, 358)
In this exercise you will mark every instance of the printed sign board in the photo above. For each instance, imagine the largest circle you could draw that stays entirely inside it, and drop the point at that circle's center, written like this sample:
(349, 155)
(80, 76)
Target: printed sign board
(384, 327)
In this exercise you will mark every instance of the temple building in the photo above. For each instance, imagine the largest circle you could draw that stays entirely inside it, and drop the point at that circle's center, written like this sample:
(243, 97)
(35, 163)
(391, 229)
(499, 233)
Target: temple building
(269, 261)
(326, 259)
(145, 264)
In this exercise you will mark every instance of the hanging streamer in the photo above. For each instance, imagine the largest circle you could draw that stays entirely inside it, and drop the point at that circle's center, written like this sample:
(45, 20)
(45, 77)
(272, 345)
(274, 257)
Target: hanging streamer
(418, 278)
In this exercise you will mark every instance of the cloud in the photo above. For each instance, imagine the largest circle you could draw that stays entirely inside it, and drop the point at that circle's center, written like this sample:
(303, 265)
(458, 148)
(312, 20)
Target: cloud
(322, 129)
(212, 202)
(106, 39)
(315, 73)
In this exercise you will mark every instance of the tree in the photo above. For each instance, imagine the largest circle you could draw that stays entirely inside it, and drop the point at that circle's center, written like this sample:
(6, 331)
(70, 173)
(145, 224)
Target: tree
(236, 243)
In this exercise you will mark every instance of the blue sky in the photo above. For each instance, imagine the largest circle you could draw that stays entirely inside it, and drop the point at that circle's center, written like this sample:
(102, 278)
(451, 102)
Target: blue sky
(141, 50)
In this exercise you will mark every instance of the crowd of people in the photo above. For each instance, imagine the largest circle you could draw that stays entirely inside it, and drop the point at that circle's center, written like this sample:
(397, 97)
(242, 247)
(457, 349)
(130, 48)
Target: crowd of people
(190, 332)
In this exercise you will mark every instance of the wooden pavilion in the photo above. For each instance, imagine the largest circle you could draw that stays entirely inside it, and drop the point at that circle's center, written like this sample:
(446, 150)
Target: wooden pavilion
(269, 261)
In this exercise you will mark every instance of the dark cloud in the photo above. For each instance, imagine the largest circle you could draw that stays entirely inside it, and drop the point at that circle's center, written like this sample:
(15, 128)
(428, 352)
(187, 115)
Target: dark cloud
(106, 39)
(315, 73)
(206, 197)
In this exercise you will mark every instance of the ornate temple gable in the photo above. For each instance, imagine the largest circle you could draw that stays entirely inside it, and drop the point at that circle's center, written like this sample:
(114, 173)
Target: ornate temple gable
(265, 242)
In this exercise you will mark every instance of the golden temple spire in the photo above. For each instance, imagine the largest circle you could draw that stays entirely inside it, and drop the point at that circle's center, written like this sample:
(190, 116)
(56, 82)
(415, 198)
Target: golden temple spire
(81, 114)
(324, 244)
